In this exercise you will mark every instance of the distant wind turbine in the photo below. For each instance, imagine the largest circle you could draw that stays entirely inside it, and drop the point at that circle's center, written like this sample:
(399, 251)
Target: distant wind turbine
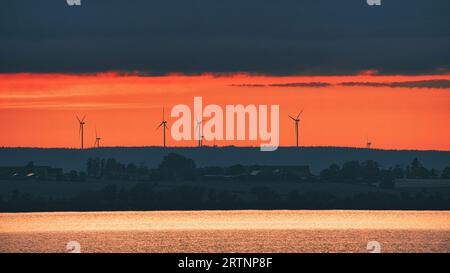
(81, 130)
(164, 125)
(368, 143)
(199, 129)
(97, 139)
(296, 120)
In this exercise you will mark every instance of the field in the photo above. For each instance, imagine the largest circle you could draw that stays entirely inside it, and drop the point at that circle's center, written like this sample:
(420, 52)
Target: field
(66, 189)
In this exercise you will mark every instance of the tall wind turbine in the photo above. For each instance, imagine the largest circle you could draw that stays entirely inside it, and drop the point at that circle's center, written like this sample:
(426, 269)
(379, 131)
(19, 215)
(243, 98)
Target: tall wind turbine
(81, 131)
(164, 125)
(296, 120)
(199, 129)
(97, 139)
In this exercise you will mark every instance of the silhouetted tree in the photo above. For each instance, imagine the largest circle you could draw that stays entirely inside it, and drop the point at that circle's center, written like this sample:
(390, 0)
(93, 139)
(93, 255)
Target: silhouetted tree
(398, 172)
(131, 168)
(93, 167)
(416, 170)
(331, 172)
(370, 170)
(351, 170)
(131, 171)
(113, 169)
(446, 173)
(433, 173)
(178, 167)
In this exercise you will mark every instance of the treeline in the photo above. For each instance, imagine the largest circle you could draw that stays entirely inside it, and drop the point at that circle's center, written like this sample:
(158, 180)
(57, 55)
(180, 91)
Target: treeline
(173, 167)
(178, 167)
(145, 196)
(370, 171)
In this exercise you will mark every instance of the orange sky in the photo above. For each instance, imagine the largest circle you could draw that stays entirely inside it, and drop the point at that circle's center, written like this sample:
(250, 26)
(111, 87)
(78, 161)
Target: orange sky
(38, 110)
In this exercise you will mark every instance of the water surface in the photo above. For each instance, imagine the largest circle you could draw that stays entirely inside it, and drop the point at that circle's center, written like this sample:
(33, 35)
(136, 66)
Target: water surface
(227, 231)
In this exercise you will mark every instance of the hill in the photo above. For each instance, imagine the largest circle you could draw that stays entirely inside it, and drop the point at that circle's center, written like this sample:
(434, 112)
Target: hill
(317, 158)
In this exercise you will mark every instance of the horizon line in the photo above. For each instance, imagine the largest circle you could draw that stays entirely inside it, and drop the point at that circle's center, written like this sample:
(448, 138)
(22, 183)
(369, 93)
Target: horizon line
(214, 147)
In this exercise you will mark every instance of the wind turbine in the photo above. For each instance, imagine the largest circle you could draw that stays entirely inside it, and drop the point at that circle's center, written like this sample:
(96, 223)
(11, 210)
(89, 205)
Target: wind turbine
(81, 131)
(368, 143)
(97, 139)
(199, 129)
(164, 125)
(296, 120)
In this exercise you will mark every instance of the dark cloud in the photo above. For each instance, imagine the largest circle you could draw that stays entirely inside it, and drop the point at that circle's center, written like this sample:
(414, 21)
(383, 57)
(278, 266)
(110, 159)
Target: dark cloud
(435, 84)
(432, 84)
(301, 84)
(293, 84)
(196, 36)
(249, 85)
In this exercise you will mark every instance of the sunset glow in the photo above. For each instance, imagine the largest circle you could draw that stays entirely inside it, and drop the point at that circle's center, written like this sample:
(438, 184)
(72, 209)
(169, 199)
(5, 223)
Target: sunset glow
(38, 110)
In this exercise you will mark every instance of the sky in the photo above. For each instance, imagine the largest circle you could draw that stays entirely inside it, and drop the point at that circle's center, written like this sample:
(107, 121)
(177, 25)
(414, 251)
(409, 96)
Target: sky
(357, 71)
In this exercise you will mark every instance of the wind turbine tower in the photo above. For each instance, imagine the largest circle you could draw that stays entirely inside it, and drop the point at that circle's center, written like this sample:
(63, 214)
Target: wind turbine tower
(199, 129)
(296, 120)
(97, 139)
(81, 130)
(164, 125)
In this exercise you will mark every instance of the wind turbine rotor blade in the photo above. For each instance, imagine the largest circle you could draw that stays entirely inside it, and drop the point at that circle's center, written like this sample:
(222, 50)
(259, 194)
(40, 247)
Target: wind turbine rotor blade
(83, 118)
(78, 119)
(198, 122)
(292, 118)
(161, 124)
(299, 114)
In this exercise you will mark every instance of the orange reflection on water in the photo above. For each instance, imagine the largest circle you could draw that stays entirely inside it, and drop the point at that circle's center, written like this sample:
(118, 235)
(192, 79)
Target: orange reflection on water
(213, 220)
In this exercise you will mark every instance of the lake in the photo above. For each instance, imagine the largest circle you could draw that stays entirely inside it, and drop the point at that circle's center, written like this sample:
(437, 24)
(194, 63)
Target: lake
(226, 231)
